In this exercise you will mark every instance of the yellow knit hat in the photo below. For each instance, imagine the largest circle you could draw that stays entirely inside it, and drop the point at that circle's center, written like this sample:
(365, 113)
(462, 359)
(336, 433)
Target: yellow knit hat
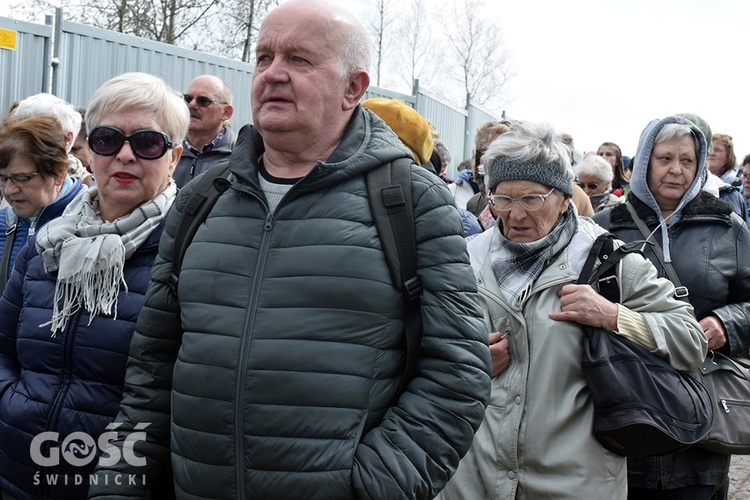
(407, 123)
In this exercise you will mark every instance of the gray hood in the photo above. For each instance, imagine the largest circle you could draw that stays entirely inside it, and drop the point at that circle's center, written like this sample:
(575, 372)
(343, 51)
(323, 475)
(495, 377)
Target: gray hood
(639, 179)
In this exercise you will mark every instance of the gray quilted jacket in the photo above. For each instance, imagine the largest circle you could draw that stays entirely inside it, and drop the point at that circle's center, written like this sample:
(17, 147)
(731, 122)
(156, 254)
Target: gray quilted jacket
(284, 346)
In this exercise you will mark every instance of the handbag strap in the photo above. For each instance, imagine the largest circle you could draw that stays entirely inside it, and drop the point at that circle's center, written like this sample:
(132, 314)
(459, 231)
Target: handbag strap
(605, 276)
(681, 292)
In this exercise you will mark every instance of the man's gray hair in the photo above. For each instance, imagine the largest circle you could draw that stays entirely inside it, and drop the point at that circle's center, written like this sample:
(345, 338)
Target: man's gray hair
(355, 49)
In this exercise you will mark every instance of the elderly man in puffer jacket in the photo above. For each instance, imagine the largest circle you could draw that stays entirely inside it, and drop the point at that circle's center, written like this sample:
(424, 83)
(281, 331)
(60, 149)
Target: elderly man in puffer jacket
(273, 371)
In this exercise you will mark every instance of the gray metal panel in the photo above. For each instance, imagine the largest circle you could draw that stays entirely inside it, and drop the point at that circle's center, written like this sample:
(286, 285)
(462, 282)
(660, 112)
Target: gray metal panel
(22, 70)
(449, 122)
(476, 117)
(372, 92)
(90, 56)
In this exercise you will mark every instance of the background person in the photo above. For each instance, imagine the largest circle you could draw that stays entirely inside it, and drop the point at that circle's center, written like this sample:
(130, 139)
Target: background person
(209, 139)
(285, 305)
(68, 314)
(745, 176)
(621, 176)
(536, 441)
(707, 244)
(594, 175)
(722, 161)
(69, 120)
(34, 180)
(81, 150)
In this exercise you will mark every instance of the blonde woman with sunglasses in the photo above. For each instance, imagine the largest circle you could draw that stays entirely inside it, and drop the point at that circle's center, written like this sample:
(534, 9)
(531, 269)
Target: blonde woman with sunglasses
(69, 310)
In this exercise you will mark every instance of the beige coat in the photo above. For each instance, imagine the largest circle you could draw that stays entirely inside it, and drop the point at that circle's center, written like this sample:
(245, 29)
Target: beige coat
(536, 441)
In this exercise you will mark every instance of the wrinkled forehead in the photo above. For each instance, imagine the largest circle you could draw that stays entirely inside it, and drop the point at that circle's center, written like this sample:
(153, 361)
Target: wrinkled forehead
(299, 29)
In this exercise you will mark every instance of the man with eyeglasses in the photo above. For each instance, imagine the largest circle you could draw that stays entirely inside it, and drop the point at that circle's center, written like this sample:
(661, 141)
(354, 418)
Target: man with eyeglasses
(209, 139)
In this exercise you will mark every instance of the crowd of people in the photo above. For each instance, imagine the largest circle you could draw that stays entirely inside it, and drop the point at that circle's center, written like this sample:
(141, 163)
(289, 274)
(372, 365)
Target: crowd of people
(273, 363)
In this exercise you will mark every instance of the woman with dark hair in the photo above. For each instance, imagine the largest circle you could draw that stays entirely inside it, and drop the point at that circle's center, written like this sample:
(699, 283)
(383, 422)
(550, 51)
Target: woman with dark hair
(613, 154)
(34, 182)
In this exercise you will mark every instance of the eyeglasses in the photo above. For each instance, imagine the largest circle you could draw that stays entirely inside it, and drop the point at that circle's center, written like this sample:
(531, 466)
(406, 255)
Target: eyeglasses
(202, 100)
(530, 202)
(18, 179)
(590, 185)
(146, 144)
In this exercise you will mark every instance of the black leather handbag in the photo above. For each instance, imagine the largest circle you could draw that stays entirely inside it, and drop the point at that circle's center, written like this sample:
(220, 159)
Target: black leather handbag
(728, 382)
(642, 405)
(726, 379)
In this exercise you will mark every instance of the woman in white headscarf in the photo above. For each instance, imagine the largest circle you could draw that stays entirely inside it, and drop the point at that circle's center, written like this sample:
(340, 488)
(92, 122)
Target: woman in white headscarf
(69, 310)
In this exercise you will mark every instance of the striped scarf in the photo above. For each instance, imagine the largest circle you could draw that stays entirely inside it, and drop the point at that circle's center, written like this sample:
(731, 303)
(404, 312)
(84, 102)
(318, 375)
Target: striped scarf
(518, 265)
(89, 254)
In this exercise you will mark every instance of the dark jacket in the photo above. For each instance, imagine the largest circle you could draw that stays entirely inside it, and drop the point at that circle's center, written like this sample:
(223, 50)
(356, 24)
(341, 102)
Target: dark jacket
(191, 165)
(708, 245)
(291, 344)
(709, 254)
(25, 228)
(68, 383)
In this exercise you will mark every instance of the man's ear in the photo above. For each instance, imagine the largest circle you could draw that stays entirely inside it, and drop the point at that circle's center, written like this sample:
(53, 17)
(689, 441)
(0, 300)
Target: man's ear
(358, 84)
(228, 111)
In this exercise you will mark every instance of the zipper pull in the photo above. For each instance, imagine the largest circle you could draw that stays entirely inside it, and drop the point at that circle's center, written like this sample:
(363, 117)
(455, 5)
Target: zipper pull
(725, 405)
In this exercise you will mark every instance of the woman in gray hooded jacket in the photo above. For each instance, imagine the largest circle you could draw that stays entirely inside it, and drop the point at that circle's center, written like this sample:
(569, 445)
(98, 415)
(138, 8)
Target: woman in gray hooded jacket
(707, 244)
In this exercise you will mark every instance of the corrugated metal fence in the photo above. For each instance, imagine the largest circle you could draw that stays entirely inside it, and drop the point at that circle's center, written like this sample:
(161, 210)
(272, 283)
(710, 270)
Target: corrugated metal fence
(72, 60)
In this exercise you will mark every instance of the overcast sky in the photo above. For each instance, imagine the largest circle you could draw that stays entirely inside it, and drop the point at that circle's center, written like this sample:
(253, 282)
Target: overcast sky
(602, 69)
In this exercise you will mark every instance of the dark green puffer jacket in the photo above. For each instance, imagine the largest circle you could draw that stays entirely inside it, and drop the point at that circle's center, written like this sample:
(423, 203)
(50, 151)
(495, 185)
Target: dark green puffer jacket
(285, 347)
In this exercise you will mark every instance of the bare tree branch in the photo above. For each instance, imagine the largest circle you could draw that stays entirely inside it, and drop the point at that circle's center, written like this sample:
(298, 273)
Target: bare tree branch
(476, 43)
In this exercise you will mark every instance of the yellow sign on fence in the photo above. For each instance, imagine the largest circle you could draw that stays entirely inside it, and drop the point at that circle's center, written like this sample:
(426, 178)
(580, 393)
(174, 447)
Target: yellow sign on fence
(8, 39)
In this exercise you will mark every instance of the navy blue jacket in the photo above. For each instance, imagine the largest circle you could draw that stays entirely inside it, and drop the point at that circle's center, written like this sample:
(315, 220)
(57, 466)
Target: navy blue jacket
(64, 384)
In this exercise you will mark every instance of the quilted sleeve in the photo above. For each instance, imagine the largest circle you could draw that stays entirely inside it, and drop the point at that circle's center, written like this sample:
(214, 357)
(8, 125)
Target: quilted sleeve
(419, 443)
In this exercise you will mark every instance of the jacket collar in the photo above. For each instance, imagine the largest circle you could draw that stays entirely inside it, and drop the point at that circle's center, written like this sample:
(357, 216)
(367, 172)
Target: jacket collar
(366, 144)
(701, 206)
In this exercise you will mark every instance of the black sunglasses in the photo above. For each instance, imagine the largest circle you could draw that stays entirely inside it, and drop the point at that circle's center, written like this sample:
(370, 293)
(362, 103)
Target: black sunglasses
(202, 100)
(146, 144)
(590, 185)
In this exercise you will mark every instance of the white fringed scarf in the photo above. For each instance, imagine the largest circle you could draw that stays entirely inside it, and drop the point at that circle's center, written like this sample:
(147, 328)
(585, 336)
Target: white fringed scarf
(89, 254)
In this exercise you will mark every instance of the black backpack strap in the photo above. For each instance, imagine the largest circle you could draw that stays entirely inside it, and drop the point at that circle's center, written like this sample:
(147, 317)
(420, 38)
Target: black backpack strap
(389, 189)
(605, 276)
(10, 237)
(211, 185)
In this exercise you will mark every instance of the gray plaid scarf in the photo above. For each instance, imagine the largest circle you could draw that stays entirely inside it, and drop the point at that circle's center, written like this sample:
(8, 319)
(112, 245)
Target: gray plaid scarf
(518, 265)
(89, 254)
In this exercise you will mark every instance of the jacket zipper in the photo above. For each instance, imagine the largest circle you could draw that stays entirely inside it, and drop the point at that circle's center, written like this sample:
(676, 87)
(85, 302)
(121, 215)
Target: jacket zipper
(57, 402)
(239, 426)
(727, 404)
